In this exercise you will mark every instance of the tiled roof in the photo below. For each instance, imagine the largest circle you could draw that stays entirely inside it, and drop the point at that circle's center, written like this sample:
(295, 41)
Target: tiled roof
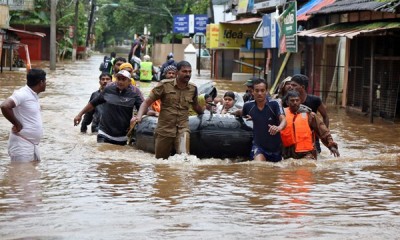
(360, 5)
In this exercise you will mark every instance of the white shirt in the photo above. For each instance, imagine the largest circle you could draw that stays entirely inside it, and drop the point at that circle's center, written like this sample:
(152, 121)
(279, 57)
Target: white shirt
(27, 111)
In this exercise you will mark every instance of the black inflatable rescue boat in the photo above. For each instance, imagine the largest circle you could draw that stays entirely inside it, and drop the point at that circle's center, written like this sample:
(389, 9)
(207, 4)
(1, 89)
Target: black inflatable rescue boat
(211, 135)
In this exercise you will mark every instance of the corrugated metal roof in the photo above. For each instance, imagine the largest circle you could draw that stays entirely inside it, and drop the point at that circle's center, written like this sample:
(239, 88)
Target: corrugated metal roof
(359, 5)
(348, 30)
(244, 21)
(311, 6)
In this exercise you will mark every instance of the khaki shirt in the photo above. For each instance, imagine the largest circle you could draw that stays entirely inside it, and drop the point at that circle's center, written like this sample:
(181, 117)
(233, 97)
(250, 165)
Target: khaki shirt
(175, 103)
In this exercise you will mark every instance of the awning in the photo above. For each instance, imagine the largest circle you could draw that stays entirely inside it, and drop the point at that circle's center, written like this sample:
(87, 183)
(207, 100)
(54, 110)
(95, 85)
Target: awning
(244, 21)
(39, 34)
(348, 30)
(311, 6)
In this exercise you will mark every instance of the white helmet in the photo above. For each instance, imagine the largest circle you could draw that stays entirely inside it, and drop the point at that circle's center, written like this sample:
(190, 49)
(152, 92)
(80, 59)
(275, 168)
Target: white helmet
(146, 57)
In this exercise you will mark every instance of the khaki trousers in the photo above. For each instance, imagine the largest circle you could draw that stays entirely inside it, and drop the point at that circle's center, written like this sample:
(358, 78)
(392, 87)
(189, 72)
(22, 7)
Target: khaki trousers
(164, 145)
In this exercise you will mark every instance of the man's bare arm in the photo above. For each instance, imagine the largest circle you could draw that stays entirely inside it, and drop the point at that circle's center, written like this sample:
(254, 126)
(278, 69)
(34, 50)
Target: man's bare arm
(143, 109)
(89, 107)
(324, 113)
(7, 110)
(198, 109)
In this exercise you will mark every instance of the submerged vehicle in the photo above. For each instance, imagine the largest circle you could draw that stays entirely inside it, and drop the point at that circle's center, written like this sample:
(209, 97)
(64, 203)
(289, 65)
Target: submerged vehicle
(211, 135)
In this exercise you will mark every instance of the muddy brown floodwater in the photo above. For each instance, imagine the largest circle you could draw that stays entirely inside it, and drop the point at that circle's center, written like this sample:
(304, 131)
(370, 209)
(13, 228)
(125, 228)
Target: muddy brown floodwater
(85, 190)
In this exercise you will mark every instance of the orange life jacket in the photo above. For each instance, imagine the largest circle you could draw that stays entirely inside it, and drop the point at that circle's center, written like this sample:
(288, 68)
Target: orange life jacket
(156, 106)
(297, 132)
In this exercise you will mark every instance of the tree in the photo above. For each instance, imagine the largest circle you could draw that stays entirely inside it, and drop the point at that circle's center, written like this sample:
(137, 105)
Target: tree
(65, 18)
(130, 17)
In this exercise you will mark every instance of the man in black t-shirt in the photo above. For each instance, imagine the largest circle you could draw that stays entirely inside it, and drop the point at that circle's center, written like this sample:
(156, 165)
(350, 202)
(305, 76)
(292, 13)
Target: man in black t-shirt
(118, 99)
(299, 83)
(93, 117)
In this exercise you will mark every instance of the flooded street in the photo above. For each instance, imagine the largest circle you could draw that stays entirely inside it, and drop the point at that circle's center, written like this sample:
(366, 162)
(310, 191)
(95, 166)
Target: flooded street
(85, 190)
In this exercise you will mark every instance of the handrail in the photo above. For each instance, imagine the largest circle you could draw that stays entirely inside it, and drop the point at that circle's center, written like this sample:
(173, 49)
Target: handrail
(248, 65)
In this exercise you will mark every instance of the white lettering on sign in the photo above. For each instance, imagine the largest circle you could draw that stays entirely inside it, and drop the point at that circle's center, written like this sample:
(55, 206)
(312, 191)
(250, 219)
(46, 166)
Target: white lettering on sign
(289, 19)
(266, 31)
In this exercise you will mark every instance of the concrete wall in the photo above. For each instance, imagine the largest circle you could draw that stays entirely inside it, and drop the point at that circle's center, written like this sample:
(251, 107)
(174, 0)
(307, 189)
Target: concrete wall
(4, 15)
(161, 50)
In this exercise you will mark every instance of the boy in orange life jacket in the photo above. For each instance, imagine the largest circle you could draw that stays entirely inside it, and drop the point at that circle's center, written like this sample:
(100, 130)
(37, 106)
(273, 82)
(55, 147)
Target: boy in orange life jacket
(298, 137)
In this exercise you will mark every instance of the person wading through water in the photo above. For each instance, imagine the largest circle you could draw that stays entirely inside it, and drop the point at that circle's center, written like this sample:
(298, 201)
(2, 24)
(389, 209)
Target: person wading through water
(176, 95)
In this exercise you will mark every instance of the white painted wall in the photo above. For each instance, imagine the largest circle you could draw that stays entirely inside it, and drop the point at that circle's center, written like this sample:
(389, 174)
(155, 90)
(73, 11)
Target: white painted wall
(220, 16)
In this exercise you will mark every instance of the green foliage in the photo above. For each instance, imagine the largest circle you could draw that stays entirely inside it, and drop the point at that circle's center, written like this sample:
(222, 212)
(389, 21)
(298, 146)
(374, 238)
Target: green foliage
(65, 17)
(116, 20)
(169, 36)
(40, 14)
(130, 17)
(64, 47)
(200, 7)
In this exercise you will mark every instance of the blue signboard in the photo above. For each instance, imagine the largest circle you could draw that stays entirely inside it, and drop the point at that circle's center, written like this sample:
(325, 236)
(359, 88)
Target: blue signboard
(270, 31)
(200, 23)
(190, 23)
(181, 23)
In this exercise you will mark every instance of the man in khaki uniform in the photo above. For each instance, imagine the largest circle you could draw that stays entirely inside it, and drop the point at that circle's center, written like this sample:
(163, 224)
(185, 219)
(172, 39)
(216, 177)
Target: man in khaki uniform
(173, 122)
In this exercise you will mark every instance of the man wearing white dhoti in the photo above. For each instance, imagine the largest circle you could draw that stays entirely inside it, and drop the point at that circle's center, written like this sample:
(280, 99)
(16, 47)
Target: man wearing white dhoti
(22, 109)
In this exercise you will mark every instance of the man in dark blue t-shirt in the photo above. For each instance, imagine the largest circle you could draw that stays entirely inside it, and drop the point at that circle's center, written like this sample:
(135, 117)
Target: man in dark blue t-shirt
(268, 120)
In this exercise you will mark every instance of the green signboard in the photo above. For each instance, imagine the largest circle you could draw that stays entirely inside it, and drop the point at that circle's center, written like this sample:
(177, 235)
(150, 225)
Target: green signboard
(289, 28)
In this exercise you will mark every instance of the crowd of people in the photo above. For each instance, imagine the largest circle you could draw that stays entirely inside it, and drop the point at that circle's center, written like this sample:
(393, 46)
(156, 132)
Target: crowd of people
(285, 125)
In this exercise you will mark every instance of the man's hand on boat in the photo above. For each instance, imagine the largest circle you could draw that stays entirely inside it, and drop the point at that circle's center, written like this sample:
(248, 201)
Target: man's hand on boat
(135, 120)
(238, 113)
(211, 104)
(248, 118)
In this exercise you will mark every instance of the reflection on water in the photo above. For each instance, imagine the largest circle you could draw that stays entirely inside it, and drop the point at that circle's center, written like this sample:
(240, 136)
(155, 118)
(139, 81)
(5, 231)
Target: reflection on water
(294, 188)
(85, 190)
(21, 191)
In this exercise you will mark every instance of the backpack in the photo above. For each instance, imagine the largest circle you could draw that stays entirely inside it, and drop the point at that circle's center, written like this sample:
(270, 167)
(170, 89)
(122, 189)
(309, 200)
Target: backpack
(101, 68)
(107, 64)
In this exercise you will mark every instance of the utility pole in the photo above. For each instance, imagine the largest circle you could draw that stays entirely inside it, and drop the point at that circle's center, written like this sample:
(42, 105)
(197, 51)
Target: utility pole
(53, 47)
(211, 17)
(75, 42)
(90, 22)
